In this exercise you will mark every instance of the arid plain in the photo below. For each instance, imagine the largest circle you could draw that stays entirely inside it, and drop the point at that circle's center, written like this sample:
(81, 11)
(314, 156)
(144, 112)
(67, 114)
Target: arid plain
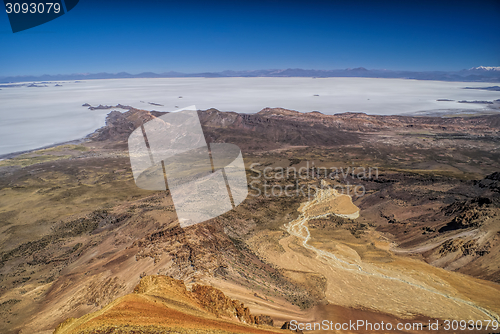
(420, 242)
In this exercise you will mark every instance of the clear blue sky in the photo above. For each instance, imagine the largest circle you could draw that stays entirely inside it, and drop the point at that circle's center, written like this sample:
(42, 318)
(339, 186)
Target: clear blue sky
(196, 36)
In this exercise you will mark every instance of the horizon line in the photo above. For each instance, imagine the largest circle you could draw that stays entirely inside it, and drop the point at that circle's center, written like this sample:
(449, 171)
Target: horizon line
(360, 68)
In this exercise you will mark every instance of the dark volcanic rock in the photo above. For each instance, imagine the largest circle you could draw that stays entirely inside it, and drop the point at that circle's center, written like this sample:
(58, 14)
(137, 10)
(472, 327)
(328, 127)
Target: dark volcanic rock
(286, 325)
(491, 181)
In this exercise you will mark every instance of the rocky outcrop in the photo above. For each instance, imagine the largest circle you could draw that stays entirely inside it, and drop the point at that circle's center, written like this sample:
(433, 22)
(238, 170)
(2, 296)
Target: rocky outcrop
(209, 298)
(286, 325)
(264, 320)
(491, 181)
(465, 247)
(277, 127)
(214, 301)
(469, 213)
(162, 304)
(120, 125)
(468, 218)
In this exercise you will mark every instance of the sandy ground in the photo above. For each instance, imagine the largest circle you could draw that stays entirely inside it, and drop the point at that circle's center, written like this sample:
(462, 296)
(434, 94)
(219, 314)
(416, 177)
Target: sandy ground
(402, 287)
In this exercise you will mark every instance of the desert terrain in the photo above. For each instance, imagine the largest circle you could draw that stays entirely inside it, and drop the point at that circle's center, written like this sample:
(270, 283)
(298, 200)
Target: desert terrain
(84, 250)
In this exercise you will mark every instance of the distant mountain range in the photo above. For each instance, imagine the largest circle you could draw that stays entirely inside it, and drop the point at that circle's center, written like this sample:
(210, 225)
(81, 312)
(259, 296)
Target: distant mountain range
(475, 74)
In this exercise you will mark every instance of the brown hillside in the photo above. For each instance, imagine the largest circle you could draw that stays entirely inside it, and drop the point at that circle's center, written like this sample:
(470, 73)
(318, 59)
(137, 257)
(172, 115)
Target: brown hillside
(161, 304)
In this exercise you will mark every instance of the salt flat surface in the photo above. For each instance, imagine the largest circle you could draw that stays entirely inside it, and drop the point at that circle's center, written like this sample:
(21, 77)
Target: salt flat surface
(32, 117)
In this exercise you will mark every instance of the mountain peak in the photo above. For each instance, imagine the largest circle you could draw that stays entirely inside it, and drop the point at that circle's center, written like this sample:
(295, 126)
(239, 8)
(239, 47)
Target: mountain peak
(358, 69)
(486, 68)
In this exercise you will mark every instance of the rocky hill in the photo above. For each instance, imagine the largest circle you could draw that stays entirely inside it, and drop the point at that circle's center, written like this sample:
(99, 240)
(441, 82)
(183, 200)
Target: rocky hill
(161, 304)
(276, 127)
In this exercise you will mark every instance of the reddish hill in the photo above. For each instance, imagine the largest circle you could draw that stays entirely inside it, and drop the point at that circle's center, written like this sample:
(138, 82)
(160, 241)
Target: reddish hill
(161, 304)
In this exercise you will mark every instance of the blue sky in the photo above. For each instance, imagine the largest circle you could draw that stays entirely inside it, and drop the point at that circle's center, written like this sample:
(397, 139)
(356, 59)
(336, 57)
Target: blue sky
(198, 36)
